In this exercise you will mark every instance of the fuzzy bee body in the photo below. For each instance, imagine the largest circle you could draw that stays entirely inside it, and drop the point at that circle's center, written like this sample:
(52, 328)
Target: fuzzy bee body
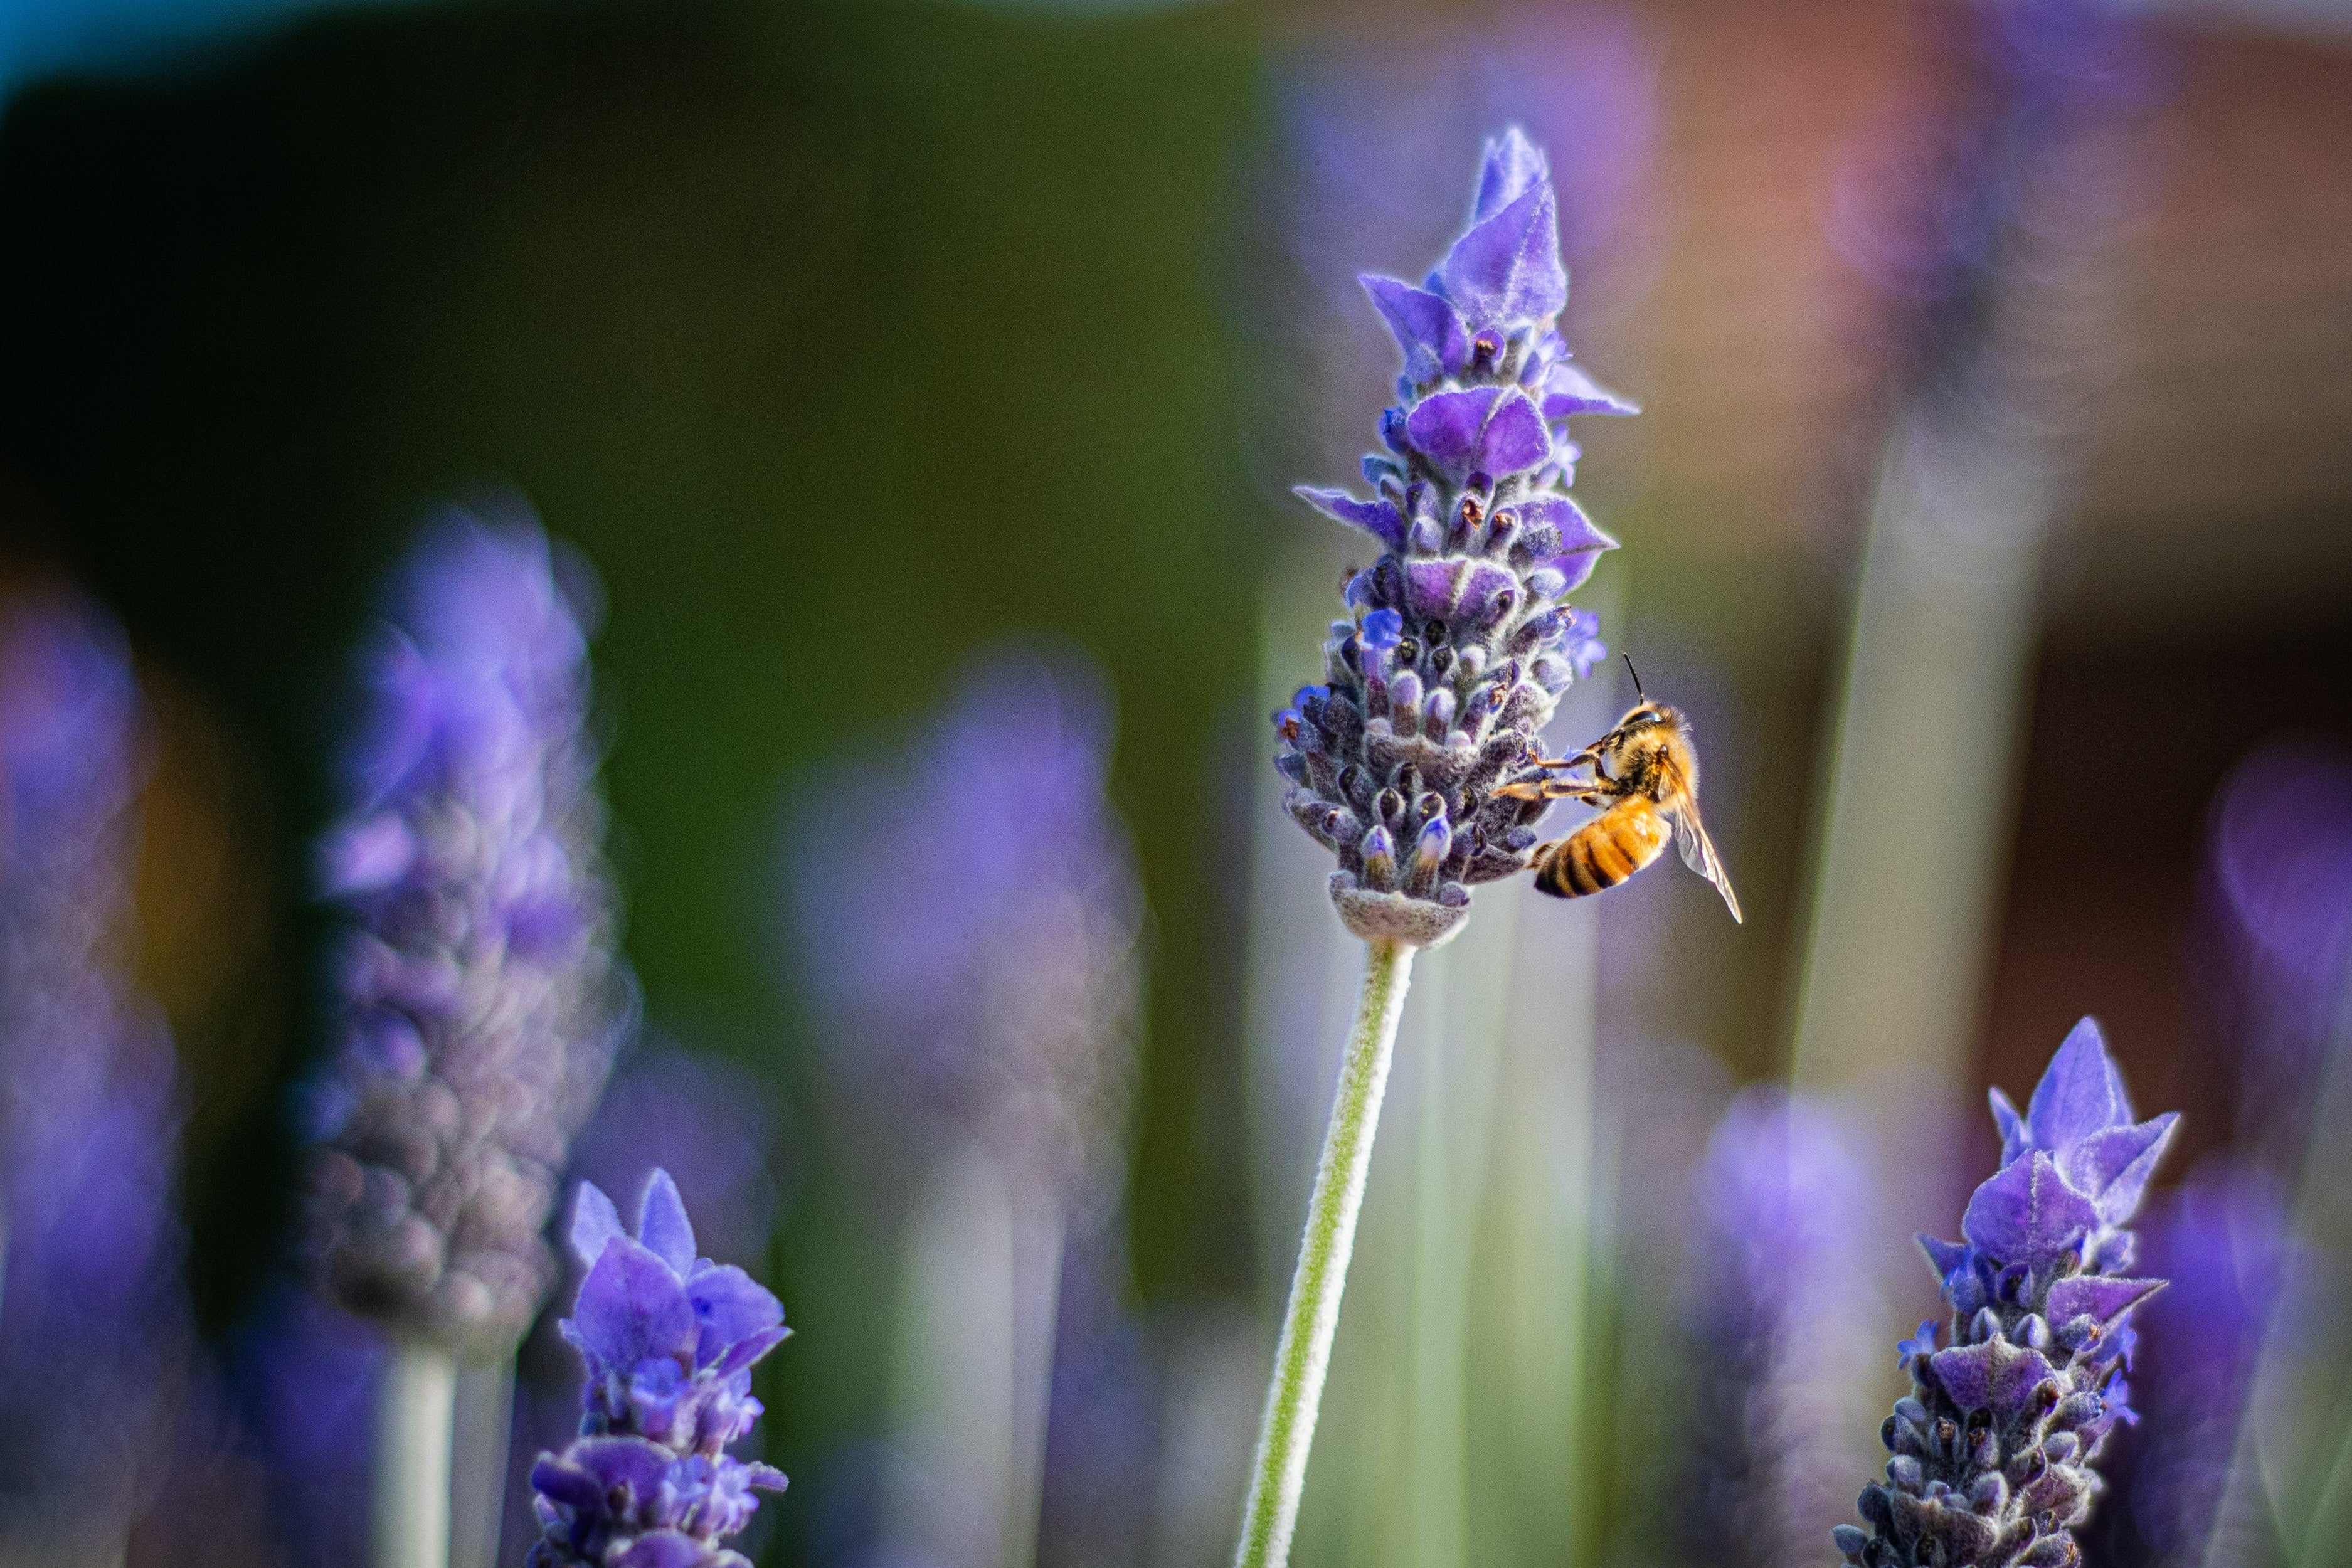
(1606, 851)
(1645, 780)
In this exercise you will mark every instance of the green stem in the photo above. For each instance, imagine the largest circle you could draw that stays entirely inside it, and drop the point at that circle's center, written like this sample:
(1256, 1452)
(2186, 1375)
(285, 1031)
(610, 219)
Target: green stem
(1304, 1355)
(415, 1417)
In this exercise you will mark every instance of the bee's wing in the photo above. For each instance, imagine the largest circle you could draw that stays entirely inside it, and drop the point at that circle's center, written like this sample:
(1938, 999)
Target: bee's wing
(1698, 851)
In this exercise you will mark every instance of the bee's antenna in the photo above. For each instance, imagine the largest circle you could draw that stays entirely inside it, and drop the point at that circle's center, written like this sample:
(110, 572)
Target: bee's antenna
(1637, 674)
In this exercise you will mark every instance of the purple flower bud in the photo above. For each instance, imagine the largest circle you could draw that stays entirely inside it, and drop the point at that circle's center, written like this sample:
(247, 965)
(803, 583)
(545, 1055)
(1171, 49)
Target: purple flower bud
(669, 1340)
(1480, 434)
(2041, 1335)
(479, 997)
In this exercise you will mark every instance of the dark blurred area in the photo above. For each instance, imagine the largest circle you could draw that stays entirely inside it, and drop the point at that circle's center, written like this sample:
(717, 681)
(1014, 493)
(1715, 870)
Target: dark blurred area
(848, 340)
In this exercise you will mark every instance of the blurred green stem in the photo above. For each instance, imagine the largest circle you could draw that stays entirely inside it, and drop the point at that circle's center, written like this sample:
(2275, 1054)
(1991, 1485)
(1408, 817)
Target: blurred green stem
(416, 1420)
(1303, 1352)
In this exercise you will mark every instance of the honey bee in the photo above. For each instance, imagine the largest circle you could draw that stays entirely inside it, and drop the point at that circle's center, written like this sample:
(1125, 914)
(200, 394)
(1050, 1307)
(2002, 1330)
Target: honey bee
(1645, 780)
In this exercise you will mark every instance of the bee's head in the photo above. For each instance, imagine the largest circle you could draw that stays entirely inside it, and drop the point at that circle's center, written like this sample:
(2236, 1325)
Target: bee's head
(1648, 715)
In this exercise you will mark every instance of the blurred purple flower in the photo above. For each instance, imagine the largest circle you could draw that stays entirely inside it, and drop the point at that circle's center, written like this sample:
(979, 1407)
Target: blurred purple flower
(1784, 1205)
(2279, 884)
(1995, 1449)
(1456, 646)
(306, 1374)
(479, 996)
(1103, 1421)
(669, 1340)
(94, 1329)
(968, 916)
(2223, 1240)
(1994, 180)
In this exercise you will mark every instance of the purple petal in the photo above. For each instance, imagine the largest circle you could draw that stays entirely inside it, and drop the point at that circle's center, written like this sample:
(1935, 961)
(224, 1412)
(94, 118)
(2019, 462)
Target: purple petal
(1569, 391)
(2013, 1136)
(1946, 1257)
(631, 1307)
(1515, 439)
(2100, 1297)
(594, 1222)
(750, 1349)
(1512, 164)
(1994, 1376)
(2015, 1377)
(2114, 1166)
(1429, 586)
(2080, 1093)
(1445, 428)
(1966, 1374)
(2028, 1214)
(662, 1549)
(1484, 429)
(635, 1462)
(1378, 518)
(662, 1224)
(1506, 268)
(1480, 593)
(1425, 326)
(1562, 535)
(730, 1306)
(559, 1482)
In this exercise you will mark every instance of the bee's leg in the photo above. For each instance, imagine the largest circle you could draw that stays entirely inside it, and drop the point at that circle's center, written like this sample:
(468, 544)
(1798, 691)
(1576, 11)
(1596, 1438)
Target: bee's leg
(1578, 790)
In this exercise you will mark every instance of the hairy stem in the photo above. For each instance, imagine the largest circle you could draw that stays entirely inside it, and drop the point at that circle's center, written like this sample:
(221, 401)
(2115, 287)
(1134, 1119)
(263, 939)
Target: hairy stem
(415, 1417)
(1304, 1353)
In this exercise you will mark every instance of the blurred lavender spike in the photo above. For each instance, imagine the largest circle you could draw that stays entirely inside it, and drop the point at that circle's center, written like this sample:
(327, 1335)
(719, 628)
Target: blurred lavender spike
(1996, 1448)
(1780, 1280)
(669, 1340)
(94, 1325)
(479, 996)
(2279, 876)
(967, 916)
(968, 919)
(2223, 1241)
(1455, 643)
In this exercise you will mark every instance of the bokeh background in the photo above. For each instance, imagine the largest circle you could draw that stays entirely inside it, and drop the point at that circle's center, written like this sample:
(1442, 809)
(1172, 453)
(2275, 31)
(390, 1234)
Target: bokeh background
(847, 341)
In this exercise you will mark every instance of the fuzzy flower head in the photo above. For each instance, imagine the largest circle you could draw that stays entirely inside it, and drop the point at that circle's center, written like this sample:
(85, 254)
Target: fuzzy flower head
(1995, 1449)
(669, 1340)
(968, 918)
(477, 992)
(1458, 640)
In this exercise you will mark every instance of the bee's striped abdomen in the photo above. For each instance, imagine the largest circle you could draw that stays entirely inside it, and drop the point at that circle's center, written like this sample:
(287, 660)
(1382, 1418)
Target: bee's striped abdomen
(1605, 851)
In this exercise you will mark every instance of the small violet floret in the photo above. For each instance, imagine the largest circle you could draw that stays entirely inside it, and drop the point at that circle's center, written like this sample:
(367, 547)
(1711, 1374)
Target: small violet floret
(669, 1340)
(1457, 642)
(1995, 1450)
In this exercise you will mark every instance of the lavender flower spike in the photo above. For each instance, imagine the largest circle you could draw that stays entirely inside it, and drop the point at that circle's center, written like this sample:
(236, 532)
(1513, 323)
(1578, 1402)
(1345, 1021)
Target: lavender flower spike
(1458, 641)
(478, 993)
(1996, 1447)
(669, 1340)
